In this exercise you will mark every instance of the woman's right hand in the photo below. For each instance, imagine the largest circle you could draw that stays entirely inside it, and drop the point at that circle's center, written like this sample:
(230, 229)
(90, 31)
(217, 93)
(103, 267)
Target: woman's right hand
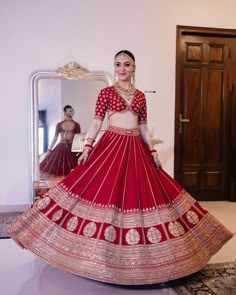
(85, 155)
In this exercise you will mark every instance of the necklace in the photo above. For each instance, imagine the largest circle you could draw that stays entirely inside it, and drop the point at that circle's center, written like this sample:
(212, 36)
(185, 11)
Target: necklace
(126, 93)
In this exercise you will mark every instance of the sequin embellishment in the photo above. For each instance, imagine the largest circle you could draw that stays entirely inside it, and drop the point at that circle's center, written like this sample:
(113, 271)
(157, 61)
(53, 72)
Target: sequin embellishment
(192, 217)
(57, 215)
(90, 229)
(110, 233)
(72, 223)
(176, 229)
(154, 235)
(132, 237)
(43, 203)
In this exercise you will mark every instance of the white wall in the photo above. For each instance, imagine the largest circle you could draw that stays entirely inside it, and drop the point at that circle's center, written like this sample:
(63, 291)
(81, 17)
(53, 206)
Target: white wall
(49, 33)
(81, 95)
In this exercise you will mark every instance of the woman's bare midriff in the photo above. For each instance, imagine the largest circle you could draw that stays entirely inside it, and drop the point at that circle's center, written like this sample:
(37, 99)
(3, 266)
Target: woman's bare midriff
(125, 120)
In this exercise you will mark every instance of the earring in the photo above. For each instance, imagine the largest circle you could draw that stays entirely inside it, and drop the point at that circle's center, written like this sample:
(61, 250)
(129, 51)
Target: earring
(133, 78)
(114, 78)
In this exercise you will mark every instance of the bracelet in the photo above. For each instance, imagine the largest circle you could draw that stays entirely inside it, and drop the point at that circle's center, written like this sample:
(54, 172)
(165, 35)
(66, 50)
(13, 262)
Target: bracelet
(153, 151)
(91, 139)
(88, 145)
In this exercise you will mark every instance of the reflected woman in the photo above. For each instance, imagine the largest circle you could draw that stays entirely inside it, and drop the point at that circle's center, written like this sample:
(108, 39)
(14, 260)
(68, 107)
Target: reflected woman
(60, 160)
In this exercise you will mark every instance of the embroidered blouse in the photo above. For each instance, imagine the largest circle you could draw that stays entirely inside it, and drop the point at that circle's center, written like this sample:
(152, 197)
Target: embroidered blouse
(110, 100)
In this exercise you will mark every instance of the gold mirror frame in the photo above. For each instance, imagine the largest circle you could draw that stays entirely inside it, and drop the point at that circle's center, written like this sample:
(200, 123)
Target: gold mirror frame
(70, 71)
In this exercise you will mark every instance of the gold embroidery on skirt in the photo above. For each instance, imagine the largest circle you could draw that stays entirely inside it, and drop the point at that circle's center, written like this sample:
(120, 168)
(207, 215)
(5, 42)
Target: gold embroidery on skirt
(132, 236)
(90, 229)
(154, 235)
(101, 214)
(57, 215)
(110, 233)
(72, 223)
(43, 203)
(176, 229)
(192, 217)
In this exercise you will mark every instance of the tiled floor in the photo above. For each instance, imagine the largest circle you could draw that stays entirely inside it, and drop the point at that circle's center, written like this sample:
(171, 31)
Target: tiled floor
(21, 273)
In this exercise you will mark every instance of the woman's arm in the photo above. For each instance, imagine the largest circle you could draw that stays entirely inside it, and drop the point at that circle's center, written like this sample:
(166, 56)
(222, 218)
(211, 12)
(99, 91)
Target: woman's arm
(146, 135)
(149, 141)
(94, 129)
(53, 142)
(90, 139)
(54, 138)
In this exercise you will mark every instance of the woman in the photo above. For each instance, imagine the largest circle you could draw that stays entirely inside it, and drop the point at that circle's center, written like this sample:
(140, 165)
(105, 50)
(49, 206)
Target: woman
(61, 160)
(118, 217)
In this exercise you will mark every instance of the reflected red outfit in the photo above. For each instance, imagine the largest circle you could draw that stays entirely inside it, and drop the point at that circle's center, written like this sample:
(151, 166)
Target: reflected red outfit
(119, 219)
(61, 160)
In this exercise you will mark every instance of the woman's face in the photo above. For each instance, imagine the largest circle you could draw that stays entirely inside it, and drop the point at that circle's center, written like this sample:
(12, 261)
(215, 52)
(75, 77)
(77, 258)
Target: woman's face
(124, 67)
(69, 113)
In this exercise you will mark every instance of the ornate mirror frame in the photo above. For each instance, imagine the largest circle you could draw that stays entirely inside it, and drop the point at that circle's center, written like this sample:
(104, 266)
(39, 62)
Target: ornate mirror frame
(70, 71)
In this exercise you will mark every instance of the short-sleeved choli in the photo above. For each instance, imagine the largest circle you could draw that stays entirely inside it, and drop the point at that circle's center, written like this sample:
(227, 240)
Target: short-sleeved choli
(110, 100)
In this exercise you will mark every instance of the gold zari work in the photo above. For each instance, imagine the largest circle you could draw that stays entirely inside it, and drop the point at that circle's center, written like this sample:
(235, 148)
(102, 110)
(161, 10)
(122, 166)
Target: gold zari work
(110, 233)
(176, 229)
(72, 223)
(192, 217)
(90, 229)
(154, 235)
(89, 233)
(57, 215)
(132, 237)
(43, 203)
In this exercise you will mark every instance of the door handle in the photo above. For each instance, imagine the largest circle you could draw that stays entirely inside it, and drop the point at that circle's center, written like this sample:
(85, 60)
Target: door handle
(181, 121)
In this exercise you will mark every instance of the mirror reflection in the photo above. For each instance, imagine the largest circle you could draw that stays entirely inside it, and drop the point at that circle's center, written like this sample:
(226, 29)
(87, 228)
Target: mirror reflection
(62, 108)
(65, 108)
(58, 159)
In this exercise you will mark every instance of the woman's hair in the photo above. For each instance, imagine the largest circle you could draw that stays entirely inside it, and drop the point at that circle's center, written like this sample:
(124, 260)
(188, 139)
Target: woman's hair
(67, 107)
(127, 52)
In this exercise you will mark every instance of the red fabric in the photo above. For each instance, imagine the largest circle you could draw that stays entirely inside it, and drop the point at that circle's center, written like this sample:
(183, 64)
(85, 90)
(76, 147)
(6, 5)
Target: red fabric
(119, 219)
(109, 99)
(59, 162)
(113, 172)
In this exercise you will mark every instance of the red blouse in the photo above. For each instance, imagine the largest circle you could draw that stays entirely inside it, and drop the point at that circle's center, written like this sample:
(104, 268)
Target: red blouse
(110, 100)
(74, 128)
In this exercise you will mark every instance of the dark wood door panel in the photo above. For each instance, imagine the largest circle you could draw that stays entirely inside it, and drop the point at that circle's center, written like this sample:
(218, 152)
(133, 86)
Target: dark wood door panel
(232, 146)
(213, 117)
(205, 70)
(190, 130)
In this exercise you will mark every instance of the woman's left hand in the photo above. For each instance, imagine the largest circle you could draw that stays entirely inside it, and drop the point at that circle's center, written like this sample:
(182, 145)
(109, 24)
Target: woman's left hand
(156, 160)
(85, 155)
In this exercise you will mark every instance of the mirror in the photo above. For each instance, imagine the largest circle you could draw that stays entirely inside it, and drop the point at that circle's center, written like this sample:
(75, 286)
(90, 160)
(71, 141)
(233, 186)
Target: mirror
(50, 91)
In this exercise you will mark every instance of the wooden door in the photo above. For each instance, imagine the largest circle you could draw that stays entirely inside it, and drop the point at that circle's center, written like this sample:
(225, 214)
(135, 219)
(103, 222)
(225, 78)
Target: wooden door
(205, 70)
(232, 146)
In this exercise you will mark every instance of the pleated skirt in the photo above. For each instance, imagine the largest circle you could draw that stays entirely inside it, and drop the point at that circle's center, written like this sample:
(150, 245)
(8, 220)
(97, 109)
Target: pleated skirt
(119, 219)
(59, 162)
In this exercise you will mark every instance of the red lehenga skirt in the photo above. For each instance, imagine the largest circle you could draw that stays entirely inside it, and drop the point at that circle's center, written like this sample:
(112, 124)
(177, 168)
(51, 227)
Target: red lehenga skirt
(119, 219)
(59, 162)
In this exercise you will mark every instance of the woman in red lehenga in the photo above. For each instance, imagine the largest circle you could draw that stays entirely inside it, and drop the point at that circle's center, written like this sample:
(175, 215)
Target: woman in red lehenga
(118, 217)
(61, 160)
